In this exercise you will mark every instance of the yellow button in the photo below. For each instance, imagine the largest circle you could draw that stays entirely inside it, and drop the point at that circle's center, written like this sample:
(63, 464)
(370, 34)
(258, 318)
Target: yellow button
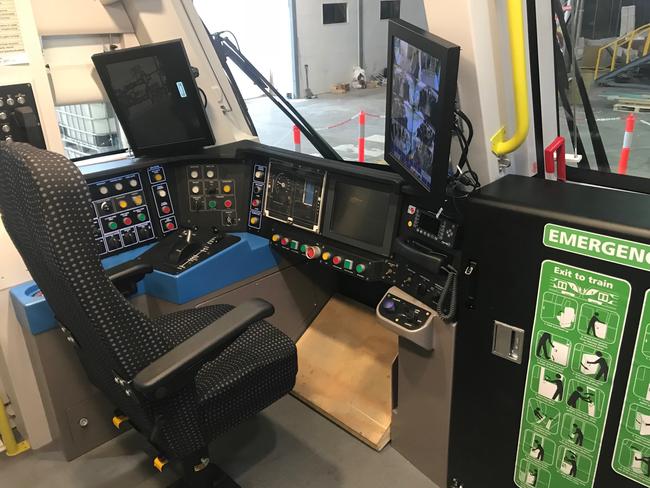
(410, 223)
(227, 189)
(275, 238)
(254, 220)
(326, 256)
(157, 177)
(137, 199)
(123, 204)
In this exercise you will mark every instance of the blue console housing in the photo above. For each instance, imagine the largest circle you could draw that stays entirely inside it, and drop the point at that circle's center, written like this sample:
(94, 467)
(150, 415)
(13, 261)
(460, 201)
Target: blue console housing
(250, 256)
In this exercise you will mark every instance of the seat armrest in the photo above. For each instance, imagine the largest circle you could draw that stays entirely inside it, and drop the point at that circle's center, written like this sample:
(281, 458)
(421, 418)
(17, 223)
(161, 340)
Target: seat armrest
(127, 275)
(177, 367)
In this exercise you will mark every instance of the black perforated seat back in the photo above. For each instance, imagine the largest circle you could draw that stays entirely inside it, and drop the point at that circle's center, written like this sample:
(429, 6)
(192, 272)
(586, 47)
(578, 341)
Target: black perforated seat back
(47, 212)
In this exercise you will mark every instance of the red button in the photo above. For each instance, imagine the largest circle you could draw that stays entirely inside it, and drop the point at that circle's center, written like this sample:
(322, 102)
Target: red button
(284, 241)
(170, 226)
(166, 209)
(127, 221)
(337, 259)
(227, 203)
(256, 203)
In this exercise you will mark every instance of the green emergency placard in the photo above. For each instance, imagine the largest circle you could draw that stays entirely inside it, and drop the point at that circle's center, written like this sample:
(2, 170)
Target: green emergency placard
(575, 344)
(632, 453)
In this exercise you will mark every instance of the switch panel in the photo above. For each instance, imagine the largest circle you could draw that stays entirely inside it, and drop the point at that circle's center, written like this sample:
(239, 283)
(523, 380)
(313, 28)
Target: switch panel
(19, 120)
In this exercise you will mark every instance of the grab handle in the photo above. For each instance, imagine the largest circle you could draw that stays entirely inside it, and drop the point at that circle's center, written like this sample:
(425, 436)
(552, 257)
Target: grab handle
(501, 146)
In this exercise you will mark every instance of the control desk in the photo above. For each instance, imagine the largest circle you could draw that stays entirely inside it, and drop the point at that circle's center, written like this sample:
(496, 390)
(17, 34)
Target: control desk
(354, 219)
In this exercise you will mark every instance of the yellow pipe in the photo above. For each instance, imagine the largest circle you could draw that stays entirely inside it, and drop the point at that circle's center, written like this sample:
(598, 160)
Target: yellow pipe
(501, 146)
(13, 448)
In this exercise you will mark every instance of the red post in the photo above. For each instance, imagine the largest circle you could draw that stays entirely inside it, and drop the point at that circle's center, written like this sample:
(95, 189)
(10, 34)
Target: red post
(296, 139)
(627, 144)
(362, 136)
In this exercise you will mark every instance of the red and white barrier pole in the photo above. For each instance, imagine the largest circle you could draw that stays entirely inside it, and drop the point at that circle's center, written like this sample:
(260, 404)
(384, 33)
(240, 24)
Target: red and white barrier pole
(627, 144)
(296, 139)
(362, 136)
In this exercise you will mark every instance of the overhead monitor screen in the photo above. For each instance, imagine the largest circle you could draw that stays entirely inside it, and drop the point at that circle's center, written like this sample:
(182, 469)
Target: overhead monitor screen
(420, 105)
(415, 95)
(155, 97)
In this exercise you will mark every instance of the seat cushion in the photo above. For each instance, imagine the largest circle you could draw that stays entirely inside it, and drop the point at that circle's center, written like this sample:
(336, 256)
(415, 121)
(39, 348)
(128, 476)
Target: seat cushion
(258, 368)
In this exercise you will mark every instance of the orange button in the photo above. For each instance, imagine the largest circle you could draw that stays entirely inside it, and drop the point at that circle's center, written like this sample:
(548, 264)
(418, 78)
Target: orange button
(137, 199)
(157, 177)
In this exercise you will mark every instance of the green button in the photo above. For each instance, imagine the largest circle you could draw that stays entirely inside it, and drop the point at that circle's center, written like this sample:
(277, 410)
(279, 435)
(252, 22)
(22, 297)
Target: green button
(303, 248)
(348, 264)
(294, 245)
(212, 204)
(142, 217)
(112, 225)
(360, 268)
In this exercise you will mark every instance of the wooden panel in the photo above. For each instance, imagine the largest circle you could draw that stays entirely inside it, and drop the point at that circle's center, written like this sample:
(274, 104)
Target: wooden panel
(344, 370)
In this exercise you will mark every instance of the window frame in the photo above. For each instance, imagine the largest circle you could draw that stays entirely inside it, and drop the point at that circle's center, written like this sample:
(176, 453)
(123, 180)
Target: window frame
(347, 8)
(390, 4)
(550, 119)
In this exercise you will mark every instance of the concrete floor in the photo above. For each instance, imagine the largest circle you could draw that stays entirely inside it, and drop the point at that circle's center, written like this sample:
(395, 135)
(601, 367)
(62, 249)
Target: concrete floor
(323, 113)
(612, 128)
(288, 445)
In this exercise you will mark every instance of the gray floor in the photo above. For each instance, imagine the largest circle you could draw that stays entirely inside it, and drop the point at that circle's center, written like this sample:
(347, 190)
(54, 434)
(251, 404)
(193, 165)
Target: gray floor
(288, 445)
(324, 112)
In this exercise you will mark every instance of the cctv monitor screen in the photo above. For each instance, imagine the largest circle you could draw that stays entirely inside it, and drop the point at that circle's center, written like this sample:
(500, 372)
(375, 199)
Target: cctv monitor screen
(155, 97)
(420, 105)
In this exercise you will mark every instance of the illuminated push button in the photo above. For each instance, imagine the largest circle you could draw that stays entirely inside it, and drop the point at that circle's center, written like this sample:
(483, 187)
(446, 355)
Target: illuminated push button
(348, 264)
(112, 225)
(303, 248)
(256, 202)
(284, 241)
(254, 220)
(133, 183)
(137, 199)
(313, 252)
(409, 224)
(10, 102)
(227, 203)
(294, 245)
(361, 268)
(162, 193)
(119, 186)
(6, 128)
(209, 174)
(142, 217)
(275, 237)
(327, 256)
(3, 116)
(259, 175)
(157, 177)
(166, 209)
(227, 188)
(195, 189)
(170, 226)
(194, 174)
(21, 100)
(212, 204)
(127, 221)
(122, 204)
(337, 260)
(103, 190)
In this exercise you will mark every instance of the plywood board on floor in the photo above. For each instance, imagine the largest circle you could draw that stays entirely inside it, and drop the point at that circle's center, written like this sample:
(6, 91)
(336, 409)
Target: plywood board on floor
(345, 360)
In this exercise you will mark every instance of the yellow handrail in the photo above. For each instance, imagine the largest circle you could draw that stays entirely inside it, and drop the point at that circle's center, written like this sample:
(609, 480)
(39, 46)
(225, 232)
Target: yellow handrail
(628, 39)
(501, 146)
(13, 448)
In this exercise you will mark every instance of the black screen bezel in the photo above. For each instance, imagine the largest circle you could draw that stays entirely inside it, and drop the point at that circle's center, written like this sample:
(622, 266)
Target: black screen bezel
(391, 218)
(449, 56)
(172, 48)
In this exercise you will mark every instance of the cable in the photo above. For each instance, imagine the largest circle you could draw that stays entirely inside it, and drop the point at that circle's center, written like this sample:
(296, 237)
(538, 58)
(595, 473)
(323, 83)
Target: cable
(449, 294)
(233, 36)
(205, 97)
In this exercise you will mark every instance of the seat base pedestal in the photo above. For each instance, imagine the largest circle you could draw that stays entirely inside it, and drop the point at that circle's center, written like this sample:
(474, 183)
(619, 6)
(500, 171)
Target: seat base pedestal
(210, 477)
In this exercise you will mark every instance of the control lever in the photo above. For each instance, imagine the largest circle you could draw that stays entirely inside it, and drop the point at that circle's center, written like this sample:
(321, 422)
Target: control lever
(185, 248)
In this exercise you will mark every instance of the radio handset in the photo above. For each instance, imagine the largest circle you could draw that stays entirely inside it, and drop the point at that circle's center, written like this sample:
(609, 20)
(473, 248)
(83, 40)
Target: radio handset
(423, 257)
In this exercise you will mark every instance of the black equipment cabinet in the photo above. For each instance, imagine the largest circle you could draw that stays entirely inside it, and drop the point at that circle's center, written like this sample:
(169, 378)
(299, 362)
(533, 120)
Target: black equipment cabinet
(502, 258)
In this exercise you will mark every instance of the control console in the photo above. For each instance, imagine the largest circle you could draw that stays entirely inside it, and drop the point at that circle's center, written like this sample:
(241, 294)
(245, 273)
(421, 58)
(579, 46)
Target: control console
(430, 227)
(407, 317)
